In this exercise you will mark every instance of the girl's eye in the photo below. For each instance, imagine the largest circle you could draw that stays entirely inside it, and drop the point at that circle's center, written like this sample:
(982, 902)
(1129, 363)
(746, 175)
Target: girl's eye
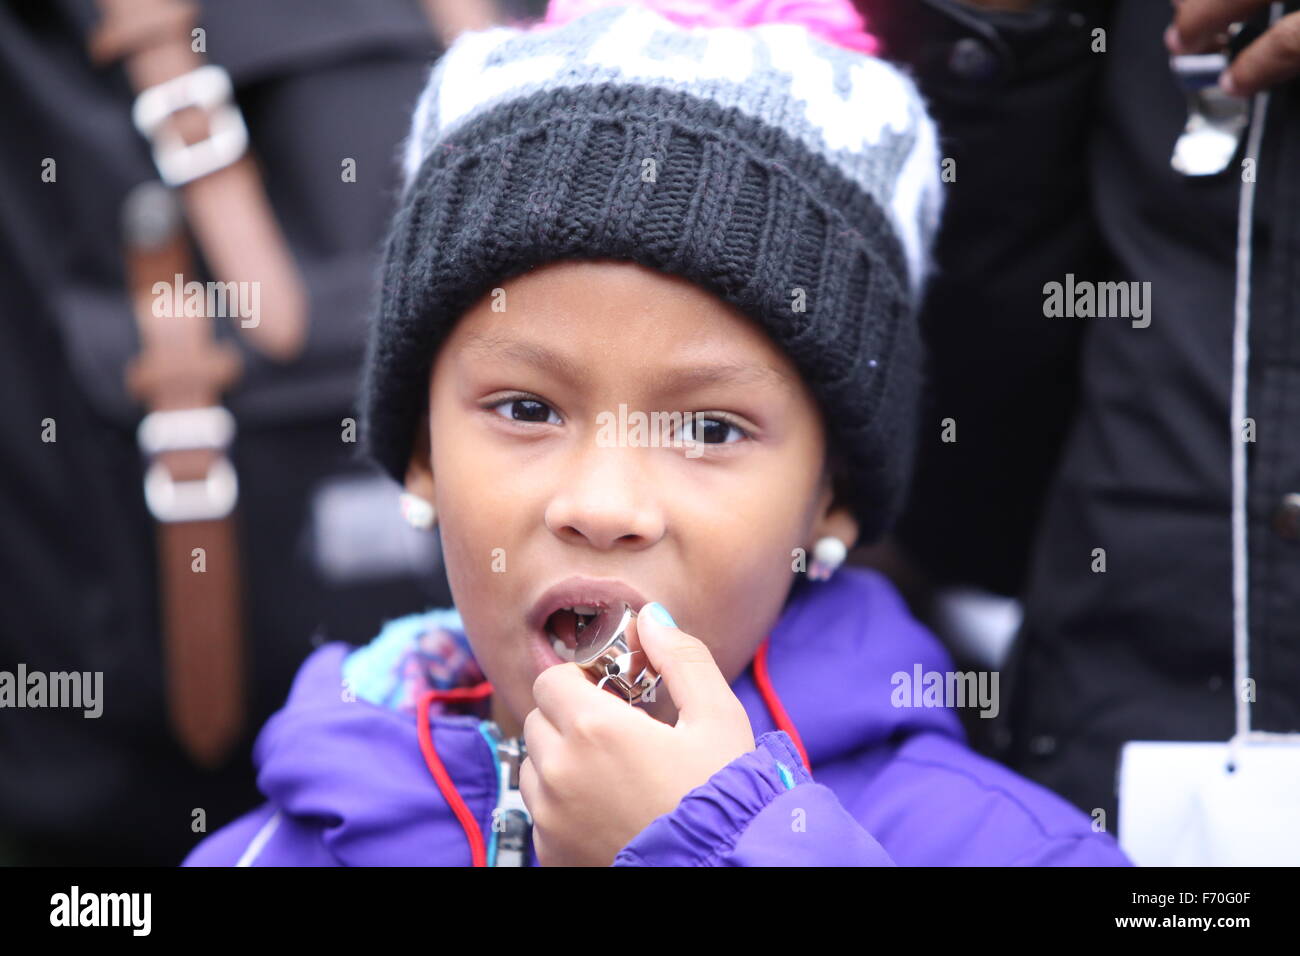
(526, 410)
(712, 431)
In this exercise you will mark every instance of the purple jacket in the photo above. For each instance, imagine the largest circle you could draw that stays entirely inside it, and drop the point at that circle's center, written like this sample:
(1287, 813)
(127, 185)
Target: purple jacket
(892, 782)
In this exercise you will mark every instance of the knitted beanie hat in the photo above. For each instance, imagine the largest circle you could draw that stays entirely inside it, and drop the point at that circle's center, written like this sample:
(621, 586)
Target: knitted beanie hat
(793, 177)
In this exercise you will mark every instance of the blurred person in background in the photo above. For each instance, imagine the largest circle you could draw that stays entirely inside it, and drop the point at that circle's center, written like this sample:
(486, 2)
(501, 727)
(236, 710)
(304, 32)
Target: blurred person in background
(1134, 477)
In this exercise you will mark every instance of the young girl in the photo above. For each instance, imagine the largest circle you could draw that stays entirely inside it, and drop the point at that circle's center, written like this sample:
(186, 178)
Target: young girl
(635, 211)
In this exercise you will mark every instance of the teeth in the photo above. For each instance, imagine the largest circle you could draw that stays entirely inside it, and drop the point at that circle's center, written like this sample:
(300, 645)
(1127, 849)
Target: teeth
(585, 609)
(562, 650)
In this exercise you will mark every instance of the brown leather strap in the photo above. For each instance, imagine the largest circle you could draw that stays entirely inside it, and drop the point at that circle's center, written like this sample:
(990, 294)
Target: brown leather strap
(227, 209)
(182, 367)
(205, 658)
(136, 26)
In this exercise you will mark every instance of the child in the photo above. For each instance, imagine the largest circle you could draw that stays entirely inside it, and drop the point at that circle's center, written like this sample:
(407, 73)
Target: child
(621, 213)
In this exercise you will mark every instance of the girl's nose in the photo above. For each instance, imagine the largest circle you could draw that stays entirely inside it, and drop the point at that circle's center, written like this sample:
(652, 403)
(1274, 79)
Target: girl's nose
(607, 500)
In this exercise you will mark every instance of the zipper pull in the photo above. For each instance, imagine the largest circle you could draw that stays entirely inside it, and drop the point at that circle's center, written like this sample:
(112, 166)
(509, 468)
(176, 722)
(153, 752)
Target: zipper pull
(512, 824)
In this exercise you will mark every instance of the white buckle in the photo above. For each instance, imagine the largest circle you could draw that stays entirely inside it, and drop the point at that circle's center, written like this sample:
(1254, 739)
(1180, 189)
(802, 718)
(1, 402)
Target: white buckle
(209, 88)
(202, 499)
(210, 497)
(183, 429)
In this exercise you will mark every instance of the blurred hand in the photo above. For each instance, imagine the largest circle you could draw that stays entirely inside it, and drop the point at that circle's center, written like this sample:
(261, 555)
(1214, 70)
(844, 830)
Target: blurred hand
(451, 18)
(1201, 26)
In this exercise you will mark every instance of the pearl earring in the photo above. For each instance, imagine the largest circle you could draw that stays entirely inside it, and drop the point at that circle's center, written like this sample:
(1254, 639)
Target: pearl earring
(828, 554)
(418, 513)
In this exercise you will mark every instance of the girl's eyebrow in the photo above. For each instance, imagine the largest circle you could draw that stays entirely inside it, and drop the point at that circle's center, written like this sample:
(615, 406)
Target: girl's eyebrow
(680, 379)
(498, 346)
(722, 373)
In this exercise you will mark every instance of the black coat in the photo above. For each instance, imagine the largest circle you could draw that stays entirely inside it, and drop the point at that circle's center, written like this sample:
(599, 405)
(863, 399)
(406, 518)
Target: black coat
(1077, 434)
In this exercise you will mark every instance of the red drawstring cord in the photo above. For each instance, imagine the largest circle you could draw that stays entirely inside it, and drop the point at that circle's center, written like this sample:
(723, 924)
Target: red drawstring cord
(477, 848)
(773, 702)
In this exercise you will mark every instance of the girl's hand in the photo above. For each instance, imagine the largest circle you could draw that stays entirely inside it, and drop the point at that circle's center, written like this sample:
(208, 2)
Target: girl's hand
(599, 771)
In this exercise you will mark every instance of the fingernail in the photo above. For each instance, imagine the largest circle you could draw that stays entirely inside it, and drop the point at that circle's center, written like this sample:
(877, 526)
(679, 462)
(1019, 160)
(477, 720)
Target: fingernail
(1172, 43)
(1228, 84)
(659, 613)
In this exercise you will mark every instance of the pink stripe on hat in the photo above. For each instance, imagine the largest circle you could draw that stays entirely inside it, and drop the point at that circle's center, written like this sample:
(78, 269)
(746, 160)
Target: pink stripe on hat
(835, 21)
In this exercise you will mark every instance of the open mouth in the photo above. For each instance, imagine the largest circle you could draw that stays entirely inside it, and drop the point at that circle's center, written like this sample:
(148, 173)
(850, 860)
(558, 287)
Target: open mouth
(570, 614)
(564, 627)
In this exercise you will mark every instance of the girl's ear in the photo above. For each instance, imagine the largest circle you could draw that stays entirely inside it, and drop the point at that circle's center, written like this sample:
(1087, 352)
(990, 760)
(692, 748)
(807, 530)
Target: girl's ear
(838, 522)
(419, 470)
(833, 518)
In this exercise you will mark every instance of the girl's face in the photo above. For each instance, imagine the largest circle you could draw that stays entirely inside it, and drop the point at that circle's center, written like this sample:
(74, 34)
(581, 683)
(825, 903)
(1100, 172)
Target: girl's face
(535, 483)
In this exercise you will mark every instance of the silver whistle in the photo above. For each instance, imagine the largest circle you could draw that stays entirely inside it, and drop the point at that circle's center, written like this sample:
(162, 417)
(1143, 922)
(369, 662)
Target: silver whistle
(610, 652)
